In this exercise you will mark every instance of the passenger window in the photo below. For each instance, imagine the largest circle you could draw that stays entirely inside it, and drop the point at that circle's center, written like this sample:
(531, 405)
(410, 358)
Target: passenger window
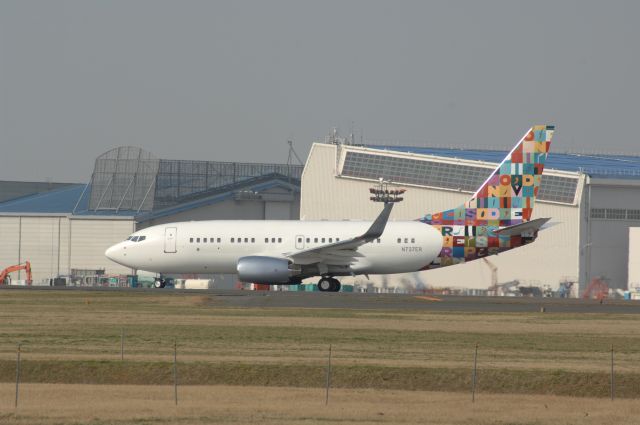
(378, 240)
(330, 240)
(218, 240)
(246, 240)
(308, 240)
(322, 240)
(239, 240)
(279, 240)
(198, 240)
(232, 240)
(191, 240)
(299, 240)
(413, 240)
(399, 240)
(266, 240)
(211, 240)
(273, 240)
(204, 240)
(315, 240)
(406, 240)
(253, 240)
(337, 239)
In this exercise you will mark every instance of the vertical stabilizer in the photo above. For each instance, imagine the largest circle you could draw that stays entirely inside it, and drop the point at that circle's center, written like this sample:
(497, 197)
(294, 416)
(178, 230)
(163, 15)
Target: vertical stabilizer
(509, 194)
(505, 199)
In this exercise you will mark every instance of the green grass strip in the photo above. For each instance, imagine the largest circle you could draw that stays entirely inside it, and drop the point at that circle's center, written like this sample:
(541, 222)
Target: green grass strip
(526, 381)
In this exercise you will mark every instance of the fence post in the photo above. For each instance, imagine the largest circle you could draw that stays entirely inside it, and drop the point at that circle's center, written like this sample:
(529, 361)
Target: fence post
(326, 400)
(17, 376)
(474, 375)
(122, 345)
(613, 382)
(175, 371)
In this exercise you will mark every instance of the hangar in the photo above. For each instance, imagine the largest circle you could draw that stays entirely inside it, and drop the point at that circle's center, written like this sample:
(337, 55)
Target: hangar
(64, 229)
(592, 200)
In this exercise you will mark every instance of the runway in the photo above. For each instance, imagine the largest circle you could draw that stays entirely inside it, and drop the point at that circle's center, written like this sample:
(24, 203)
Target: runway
(368, 301)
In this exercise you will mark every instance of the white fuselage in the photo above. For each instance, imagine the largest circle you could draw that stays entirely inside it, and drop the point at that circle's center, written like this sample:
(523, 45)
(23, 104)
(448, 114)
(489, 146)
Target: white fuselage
(216, 246)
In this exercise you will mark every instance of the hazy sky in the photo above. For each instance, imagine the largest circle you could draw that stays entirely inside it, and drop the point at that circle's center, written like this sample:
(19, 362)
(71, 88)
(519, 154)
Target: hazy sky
(233, 80)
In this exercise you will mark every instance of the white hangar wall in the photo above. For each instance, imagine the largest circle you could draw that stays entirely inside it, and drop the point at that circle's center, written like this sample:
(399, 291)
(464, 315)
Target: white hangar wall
(634, 259)
(552, 258)
(55, 244)
(614, 210)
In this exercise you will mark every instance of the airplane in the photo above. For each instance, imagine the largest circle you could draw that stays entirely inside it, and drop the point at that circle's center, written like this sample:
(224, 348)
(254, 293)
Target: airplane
(497, 218)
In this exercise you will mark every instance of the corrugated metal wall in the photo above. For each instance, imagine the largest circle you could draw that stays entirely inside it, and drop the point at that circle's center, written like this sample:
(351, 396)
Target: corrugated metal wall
(56, 244)
(552, 258)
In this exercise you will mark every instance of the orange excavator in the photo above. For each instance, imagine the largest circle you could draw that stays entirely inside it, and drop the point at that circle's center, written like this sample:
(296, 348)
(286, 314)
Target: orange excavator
(597, 289)
(26, 267)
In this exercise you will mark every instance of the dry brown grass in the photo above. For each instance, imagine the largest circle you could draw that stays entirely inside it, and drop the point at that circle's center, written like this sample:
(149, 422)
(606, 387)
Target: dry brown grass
(69, 326)
(122, 405)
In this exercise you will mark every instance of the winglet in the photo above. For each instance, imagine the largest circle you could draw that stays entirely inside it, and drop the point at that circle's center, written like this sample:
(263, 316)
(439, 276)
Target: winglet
(377, 228)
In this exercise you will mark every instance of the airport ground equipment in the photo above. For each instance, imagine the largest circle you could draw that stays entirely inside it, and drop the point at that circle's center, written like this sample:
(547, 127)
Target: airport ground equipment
(26, 266)
(493, 289)
(597, 289)
(500, 289)
(564, 291)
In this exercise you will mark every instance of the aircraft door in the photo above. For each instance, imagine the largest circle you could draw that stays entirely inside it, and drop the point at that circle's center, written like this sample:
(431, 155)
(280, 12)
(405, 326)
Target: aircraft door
(170, 236)
(299, 242)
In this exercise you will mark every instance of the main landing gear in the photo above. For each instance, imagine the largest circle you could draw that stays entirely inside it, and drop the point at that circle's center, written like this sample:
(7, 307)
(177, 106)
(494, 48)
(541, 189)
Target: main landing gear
(329, 284)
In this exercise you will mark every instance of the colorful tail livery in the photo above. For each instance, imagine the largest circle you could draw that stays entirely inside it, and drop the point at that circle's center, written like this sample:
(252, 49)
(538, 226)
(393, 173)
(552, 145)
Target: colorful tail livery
(497, 218)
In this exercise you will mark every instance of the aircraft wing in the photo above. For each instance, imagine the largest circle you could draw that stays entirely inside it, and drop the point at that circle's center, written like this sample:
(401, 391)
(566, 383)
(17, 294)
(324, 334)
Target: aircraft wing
(522, 228)
(345, 252)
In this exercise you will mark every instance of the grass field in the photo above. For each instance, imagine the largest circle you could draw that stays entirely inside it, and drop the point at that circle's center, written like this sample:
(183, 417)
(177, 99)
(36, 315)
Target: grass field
(199, 405)
(71, 338)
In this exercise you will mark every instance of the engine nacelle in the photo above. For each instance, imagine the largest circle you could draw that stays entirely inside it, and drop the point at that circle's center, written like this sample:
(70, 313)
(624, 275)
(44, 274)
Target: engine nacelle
(259, 269)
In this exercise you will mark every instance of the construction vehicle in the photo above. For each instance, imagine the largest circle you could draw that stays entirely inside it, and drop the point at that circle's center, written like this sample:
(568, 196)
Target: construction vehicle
(493, 289)
(500, 289)
(4, 274)
(597, 289)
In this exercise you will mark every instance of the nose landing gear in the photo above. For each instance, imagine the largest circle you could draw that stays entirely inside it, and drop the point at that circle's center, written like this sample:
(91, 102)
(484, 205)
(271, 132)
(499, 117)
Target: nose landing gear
(329, 284)
(159, 283)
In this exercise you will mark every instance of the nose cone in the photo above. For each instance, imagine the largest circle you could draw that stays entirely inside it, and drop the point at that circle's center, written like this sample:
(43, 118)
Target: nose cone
(111, 252)
(115, 253)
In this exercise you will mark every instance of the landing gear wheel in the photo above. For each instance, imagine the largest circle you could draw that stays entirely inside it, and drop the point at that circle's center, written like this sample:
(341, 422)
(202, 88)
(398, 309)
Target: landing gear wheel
(159, 283)
(329, 284)
(325, 284)
(335, 285)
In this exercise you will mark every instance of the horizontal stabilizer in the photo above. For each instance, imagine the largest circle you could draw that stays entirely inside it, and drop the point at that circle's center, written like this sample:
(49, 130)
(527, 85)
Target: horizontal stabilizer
(523, 228)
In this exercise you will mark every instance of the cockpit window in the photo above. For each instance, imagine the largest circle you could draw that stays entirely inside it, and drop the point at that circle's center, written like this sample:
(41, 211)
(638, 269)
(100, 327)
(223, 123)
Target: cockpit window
(136, 238)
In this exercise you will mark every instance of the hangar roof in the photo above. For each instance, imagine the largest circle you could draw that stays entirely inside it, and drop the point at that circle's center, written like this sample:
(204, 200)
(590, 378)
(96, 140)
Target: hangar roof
(597, 165)
(72, 199)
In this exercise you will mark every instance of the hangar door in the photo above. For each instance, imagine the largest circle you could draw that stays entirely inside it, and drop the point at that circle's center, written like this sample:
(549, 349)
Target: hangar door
(170, 239)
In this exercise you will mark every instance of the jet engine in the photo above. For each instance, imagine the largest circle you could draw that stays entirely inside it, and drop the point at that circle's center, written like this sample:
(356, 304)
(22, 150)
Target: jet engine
(261, 269)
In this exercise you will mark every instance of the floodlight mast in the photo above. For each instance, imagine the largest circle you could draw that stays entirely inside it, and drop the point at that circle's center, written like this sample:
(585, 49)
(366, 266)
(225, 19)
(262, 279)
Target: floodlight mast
(382, 193)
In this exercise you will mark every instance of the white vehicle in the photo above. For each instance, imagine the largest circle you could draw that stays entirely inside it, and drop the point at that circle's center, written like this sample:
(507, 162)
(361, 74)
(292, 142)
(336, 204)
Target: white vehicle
(496, 218)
